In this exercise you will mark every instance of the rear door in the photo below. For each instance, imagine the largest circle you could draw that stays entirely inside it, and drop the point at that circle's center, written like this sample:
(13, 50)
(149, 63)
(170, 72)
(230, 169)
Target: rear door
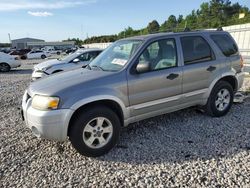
(200, 67)
(159, 89)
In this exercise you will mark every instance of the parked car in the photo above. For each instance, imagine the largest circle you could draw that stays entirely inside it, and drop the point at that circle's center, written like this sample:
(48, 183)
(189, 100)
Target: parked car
(20, 53)
(135, 79)
(38, 54)
(8, 62)
(74, 61)
(246, 60)
(51, 50)
(5, 50)
(71, 50)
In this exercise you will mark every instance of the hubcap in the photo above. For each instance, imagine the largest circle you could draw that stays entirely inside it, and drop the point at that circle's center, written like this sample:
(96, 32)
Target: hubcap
(222, 100)
(98, 132)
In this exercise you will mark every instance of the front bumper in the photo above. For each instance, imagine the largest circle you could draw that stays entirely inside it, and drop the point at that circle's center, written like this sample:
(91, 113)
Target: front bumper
(240, 79)
(52, 125)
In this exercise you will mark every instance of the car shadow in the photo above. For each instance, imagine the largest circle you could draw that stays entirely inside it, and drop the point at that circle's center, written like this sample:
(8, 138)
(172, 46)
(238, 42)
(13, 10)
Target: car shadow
(18, 71)
(182, 136)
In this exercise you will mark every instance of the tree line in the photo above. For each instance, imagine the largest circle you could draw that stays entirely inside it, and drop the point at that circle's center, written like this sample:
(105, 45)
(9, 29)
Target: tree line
(212, 14)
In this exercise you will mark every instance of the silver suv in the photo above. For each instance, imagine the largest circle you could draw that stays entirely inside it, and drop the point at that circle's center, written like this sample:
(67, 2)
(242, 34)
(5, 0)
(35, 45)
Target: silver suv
(134, 79)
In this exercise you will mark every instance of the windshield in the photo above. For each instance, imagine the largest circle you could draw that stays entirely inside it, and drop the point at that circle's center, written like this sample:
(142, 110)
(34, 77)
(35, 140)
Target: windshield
(71, 57)
(116, 56)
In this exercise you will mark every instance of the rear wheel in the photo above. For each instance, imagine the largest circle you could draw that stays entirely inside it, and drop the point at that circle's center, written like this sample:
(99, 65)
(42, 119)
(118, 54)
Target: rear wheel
(43, 56)
(95, 131)
(220, 100)
(58, 53)
(4, 67)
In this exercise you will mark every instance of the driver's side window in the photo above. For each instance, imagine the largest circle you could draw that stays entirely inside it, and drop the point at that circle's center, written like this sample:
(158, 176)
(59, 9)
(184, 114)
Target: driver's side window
(84, 57)
(161, 54)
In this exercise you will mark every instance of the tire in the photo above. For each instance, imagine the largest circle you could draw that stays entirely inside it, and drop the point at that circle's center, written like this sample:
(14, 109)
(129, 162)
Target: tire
(85, 135)
(220, 100)
(43, 56)
(23, 57)
(4, 67)
(58, 53)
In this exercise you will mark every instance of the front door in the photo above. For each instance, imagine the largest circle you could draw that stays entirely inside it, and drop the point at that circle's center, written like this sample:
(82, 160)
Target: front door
(158, 89)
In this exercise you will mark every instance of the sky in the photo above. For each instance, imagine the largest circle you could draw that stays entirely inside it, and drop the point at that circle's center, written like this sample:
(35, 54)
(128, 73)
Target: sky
(56, 20)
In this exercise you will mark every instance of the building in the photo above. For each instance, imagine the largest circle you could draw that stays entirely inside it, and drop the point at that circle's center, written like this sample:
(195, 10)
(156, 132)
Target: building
(23, 42)
(30, 43)
(57, 45)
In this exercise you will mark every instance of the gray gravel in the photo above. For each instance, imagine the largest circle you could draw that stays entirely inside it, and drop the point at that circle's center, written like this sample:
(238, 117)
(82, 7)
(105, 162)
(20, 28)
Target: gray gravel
(181, 149)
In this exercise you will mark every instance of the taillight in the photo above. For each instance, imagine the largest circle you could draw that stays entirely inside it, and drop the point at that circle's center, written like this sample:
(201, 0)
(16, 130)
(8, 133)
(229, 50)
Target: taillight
(241, 61)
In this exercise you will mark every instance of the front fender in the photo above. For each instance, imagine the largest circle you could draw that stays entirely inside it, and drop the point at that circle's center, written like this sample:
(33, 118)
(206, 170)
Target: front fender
(97, 98)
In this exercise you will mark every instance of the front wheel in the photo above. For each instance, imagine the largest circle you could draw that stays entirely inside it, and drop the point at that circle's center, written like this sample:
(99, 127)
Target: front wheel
(95, 131)
(220, 100)
(4, 67)
(43, 56)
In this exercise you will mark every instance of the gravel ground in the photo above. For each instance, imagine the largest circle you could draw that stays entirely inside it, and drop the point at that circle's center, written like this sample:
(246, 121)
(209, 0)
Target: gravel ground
(181, 149)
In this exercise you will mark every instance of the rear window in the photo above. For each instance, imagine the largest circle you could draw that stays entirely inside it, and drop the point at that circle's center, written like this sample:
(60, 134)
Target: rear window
(226, 44)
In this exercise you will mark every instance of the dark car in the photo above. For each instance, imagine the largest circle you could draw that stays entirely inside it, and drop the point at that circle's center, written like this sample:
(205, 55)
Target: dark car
(21, 53)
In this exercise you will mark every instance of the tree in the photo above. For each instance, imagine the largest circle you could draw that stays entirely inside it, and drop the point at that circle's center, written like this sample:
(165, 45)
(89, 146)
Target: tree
(153, 27)
(212, 14)
(170, 24)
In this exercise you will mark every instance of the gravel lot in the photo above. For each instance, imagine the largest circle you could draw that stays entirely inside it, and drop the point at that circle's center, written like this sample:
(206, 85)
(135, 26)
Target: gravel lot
(185, 148)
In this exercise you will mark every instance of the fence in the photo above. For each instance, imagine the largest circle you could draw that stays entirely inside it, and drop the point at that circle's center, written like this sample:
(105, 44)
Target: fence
(97, 45)
(241, 34)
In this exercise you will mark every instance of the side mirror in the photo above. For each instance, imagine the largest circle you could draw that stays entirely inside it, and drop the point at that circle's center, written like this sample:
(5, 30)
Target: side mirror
(76, 60)
(143, 67)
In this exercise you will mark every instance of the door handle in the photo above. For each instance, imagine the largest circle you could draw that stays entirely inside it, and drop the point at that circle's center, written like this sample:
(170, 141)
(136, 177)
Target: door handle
(172, 76)
(211, 68)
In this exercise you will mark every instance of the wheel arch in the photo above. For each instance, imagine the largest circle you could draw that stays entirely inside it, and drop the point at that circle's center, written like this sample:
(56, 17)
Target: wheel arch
(229, 77)
(110, 103)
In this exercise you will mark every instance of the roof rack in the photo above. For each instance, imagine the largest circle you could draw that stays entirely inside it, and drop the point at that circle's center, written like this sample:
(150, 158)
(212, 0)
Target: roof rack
(219, 29)
(186, 29)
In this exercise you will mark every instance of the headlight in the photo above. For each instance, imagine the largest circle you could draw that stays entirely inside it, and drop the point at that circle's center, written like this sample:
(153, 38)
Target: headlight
(45, 103)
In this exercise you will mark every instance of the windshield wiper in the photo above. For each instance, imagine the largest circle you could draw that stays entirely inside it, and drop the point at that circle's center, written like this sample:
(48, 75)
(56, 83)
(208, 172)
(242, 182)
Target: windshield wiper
(96, 66)
(86, 67)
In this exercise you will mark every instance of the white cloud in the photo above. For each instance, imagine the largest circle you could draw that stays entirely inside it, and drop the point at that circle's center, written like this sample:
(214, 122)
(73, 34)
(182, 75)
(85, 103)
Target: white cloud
(40, 14)
(12, 5)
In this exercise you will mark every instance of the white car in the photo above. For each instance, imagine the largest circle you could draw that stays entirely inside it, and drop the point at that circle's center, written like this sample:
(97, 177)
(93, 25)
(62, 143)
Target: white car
(7, 62)
(53, 51)
(76, 60)
(37, 54)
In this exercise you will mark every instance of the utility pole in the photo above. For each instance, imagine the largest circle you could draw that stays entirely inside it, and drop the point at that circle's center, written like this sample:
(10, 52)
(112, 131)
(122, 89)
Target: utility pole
(9, 37)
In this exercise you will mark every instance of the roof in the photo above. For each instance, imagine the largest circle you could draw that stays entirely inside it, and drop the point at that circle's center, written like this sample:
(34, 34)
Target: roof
(162, 34)
(27, 39)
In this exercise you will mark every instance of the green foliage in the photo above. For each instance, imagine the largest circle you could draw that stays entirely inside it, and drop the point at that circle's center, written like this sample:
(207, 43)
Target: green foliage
(153, 27)
(213, 14)
(5, 45)
(76, 40)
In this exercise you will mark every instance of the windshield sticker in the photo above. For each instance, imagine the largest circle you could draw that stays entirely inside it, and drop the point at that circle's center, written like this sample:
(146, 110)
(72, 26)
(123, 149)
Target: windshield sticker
(121, 62)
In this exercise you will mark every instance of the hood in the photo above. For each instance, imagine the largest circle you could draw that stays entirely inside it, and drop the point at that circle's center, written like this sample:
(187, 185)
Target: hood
(48, 63)
(54, 84)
